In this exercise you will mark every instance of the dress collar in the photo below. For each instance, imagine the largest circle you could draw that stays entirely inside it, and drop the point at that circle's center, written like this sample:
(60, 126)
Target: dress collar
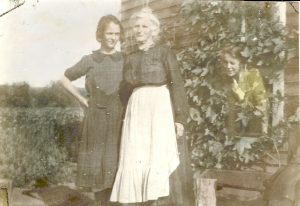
(146, 47)
(99, 56)
(152, 47)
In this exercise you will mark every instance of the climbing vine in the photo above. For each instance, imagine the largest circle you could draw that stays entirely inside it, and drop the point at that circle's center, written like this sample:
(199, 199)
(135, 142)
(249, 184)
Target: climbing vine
(265, 46)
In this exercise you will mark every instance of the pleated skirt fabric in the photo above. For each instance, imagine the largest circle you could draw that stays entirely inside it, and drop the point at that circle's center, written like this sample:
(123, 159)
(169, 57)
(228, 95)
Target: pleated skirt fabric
(148, 153)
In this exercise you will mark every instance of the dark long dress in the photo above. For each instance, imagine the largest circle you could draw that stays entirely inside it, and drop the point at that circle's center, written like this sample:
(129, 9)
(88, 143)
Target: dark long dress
(164, 69)
(99, 143)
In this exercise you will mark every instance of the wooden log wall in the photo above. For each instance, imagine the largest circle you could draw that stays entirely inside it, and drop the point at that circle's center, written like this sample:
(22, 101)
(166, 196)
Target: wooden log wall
(168, 13)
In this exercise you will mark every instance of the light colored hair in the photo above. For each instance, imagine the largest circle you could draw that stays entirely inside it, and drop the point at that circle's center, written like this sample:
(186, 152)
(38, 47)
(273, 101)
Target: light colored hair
(234, 51)
(146, 12)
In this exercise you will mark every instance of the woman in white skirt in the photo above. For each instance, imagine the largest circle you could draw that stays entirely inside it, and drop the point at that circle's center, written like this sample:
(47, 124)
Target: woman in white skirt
(157, 110)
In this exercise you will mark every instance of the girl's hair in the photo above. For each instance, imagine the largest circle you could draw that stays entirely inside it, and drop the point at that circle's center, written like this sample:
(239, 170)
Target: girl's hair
(102, 24)
(146, 12)
(232, 50)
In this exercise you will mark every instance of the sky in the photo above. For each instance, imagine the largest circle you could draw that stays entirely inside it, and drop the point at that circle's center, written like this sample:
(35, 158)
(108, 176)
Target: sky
(42, 38)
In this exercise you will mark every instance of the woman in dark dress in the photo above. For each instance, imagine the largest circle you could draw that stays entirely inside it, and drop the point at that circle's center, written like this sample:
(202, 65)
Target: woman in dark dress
(99, 143)
(152, 143)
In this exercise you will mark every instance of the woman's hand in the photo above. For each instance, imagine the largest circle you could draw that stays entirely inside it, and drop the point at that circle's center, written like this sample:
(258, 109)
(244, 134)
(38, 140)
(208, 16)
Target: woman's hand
(237, 90)
(179, 129)
(84, 103)
(67, 84)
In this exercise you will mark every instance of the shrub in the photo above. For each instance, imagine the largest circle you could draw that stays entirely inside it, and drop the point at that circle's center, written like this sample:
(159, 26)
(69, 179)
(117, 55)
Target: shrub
(31, 146)
(15, 95)
(52, 95)
(25, 96)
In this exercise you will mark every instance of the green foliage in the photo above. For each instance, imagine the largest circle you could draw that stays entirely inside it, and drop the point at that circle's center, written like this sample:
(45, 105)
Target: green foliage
(16, 95)
(264, 43)
(52, 95)
(31, 145)
(22, 95)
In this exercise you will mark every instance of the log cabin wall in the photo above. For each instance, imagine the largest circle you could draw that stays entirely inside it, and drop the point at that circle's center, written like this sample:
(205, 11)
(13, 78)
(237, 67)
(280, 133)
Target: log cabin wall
(166, 10)
(168, 13)
(291, 94)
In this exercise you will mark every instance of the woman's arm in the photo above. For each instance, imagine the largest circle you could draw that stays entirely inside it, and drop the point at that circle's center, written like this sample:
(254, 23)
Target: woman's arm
(126, 87)
(67, 84)
(177, 90)
(256, 95)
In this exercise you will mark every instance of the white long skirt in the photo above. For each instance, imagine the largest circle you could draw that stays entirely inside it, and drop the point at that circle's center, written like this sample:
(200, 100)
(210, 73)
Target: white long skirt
(148, 153)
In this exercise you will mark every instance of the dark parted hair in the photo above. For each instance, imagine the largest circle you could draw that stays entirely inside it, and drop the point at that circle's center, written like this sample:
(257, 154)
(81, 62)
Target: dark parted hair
(104, 21)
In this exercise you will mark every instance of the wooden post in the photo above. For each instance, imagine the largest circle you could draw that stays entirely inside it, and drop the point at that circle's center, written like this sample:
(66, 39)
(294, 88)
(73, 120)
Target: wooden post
(205, 192)
(6, 187)
(278, 86)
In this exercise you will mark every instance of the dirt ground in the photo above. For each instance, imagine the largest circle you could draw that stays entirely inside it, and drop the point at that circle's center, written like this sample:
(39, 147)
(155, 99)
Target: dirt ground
(234, 202)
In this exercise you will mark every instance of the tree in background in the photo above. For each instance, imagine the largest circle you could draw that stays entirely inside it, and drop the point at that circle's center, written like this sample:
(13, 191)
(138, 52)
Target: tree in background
(16, 95)
(22, 95)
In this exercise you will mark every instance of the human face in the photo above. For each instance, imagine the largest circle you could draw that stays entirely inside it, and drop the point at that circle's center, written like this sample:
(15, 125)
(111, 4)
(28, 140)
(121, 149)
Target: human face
(111, 36)
(231, 65)
(142, 30)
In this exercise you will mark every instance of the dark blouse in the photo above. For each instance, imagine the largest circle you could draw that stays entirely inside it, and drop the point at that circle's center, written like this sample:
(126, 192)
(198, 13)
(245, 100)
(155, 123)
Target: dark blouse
(102, 72)
(158, 66)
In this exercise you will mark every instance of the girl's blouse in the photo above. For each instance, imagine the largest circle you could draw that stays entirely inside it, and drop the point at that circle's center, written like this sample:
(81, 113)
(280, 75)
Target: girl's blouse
(158, 66)
(102, 72)
(249, 89)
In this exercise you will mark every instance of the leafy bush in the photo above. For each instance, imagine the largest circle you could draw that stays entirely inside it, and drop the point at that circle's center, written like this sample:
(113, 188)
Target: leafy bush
(264, 46)
(22, 95)
(53, 95)
(31, 145)
(16, 95)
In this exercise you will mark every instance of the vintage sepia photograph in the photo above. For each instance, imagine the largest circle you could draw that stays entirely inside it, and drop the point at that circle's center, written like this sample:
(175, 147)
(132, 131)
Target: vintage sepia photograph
(149, 103)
